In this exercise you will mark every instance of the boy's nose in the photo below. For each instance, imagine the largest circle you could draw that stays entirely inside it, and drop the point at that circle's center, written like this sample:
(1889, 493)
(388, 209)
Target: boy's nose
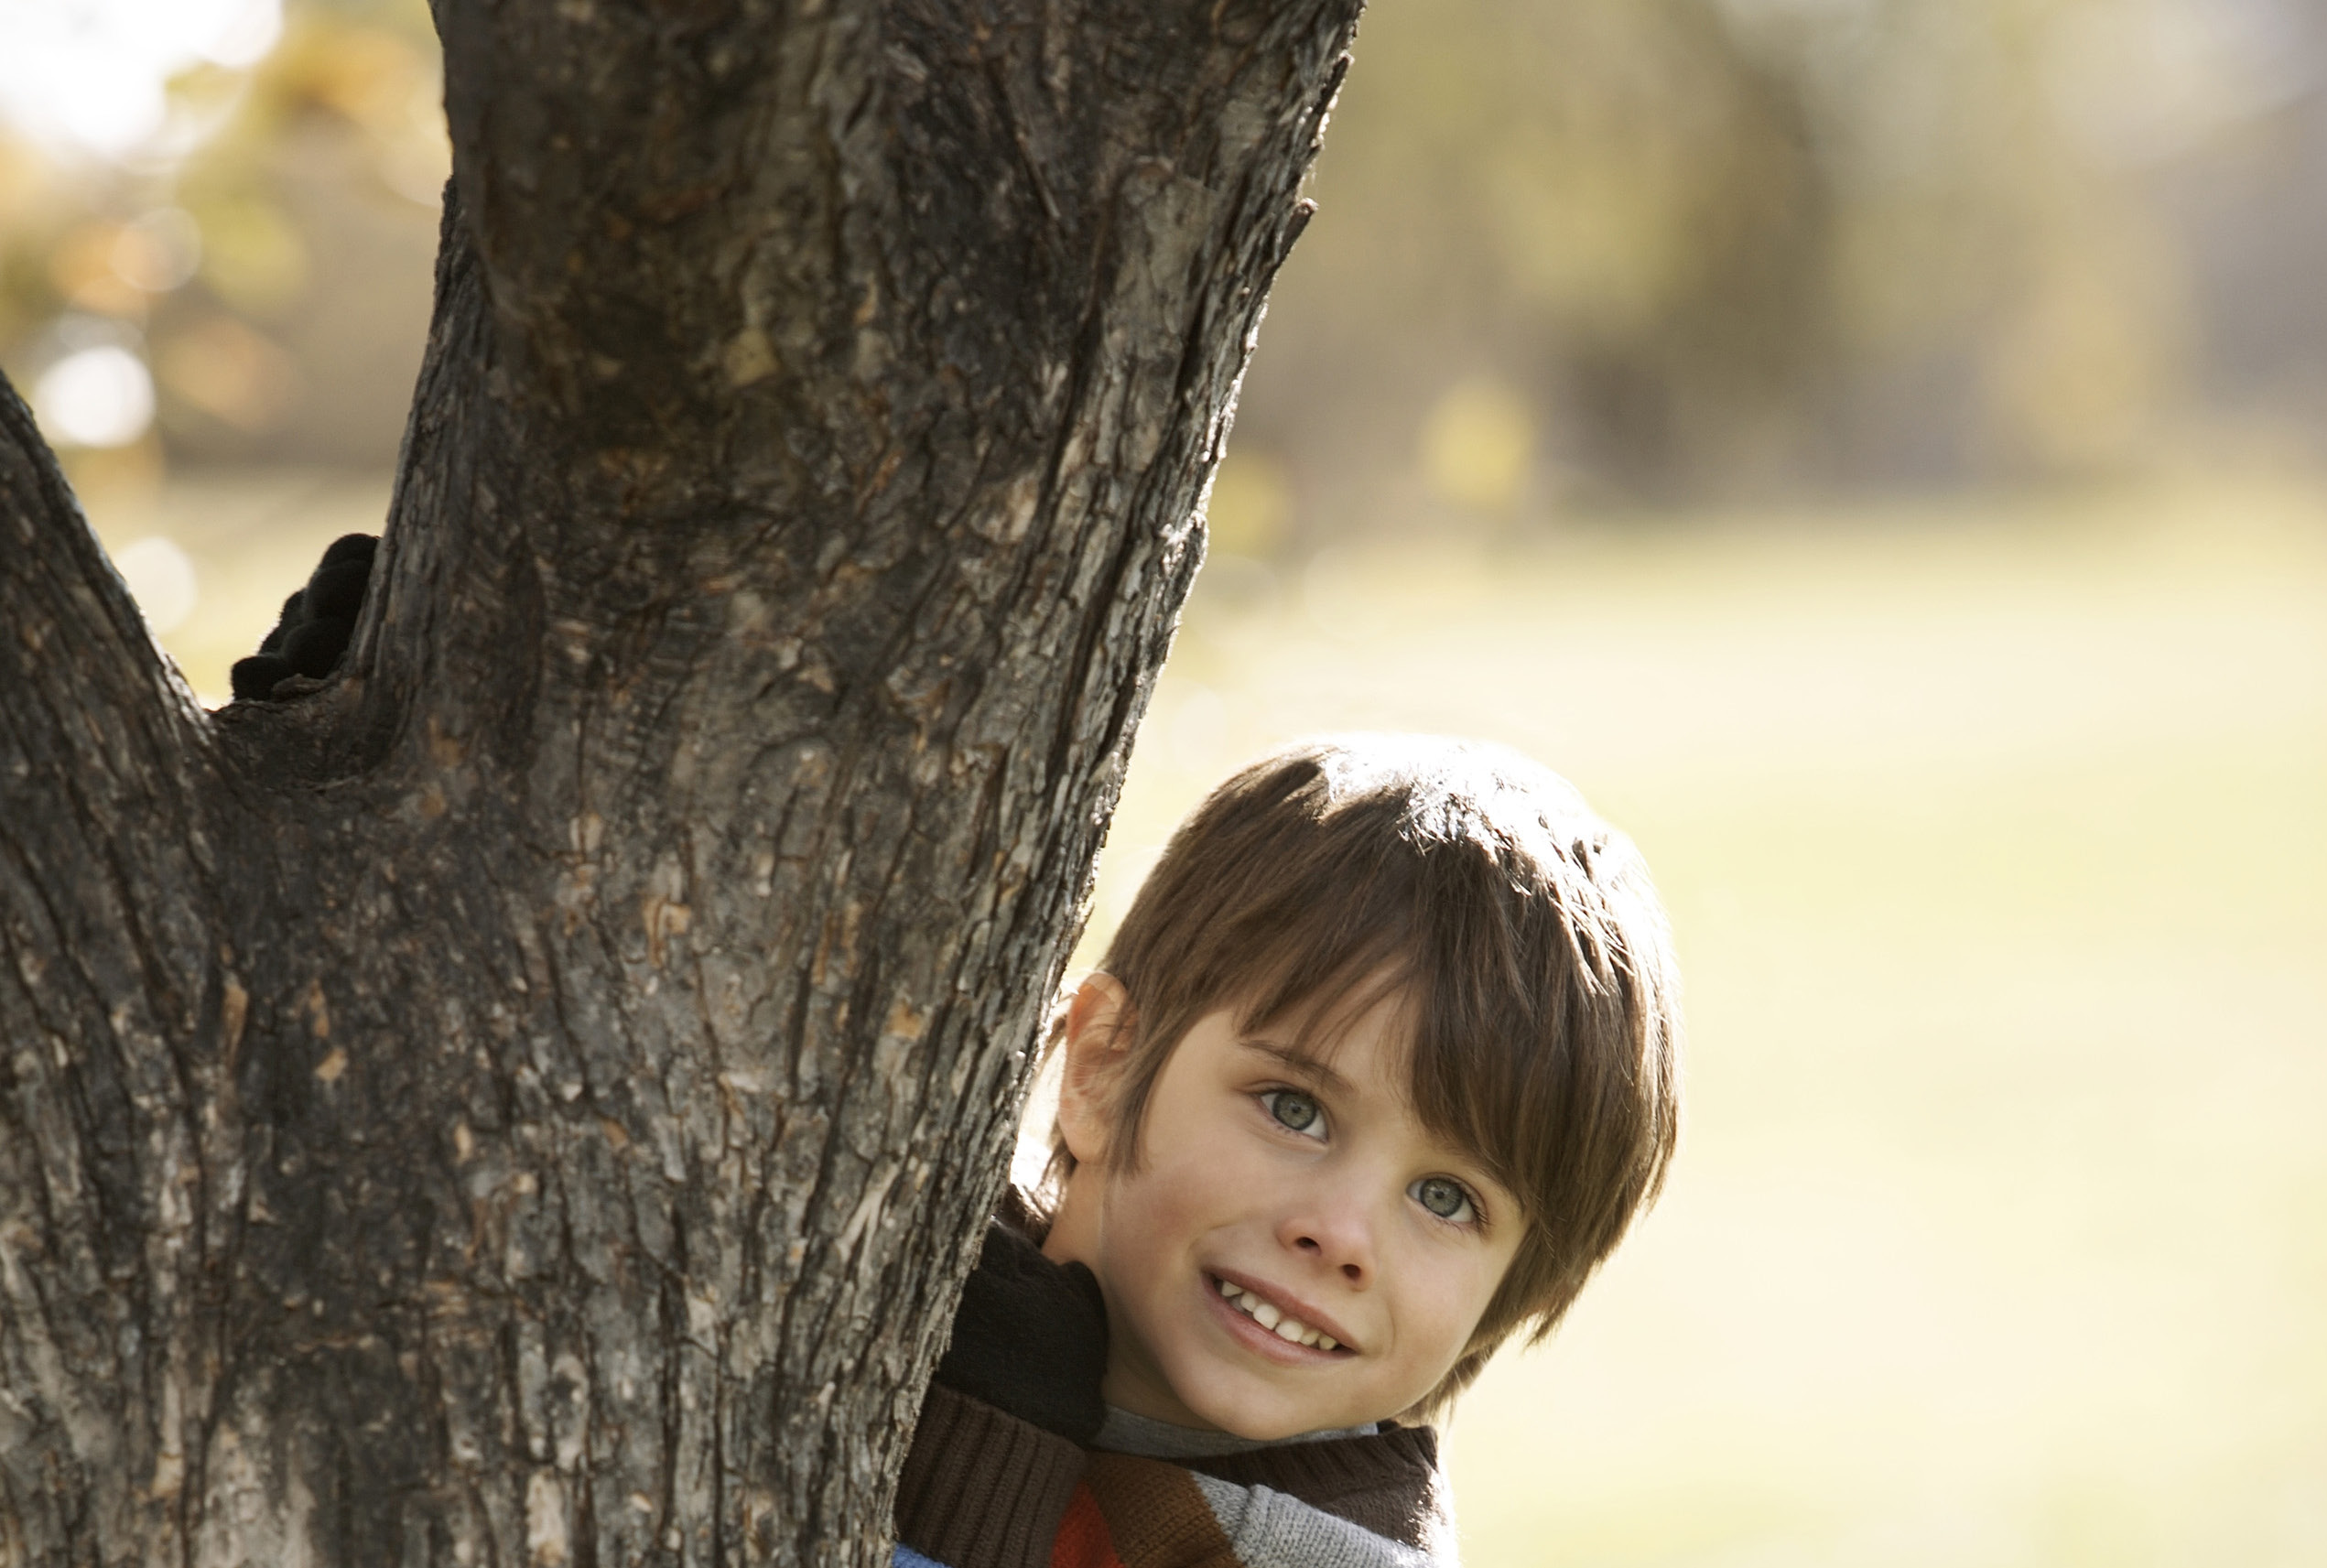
(1334, 1237)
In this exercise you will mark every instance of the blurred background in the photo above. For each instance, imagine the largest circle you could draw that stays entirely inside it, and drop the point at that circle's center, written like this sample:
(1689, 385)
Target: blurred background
(1875, 447)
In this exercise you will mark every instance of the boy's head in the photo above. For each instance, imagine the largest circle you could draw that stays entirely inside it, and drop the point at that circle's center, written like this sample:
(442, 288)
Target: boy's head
(1389, 1038)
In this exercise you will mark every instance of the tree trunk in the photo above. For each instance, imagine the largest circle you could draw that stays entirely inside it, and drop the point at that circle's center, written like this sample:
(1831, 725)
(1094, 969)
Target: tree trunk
(532, 1100)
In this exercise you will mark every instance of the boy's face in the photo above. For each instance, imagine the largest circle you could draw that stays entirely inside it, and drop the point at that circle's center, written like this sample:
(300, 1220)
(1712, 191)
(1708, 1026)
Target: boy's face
(1276, 1194)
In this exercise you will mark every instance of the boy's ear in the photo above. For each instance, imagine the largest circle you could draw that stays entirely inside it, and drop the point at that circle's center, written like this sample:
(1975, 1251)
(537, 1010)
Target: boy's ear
(1098, 1040)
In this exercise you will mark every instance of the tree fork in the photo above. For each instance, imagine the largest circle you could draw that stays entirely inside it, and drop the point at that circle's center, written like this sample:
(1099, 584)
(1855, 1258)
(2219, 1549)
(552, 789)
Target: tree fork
(532, 1100)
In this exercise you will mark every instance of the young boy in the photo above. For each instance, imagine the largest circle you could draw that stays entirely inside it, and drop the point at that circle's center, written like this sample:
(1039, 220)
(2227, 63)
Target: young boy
(1381, 1065)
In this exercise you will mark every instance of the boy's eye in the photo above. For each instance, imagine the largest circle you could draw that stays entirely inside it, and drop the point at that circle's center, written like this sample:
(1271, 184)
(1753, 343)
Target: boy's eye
(1294, 1111)
(1443, 1197)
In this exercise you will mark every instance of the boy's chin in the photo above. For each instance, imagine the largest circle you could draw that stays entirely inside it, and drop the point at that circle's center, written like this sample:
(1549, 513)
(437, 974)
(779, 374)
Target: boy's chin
(1268, 1416)
(1251, 1414)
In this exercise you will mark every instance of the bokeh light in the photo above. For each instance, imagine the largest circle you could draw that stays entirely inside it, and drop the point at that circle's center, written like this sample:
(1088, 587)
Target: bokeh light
(1478, 445)
(93, 74)
(161, 577)
(99, 397)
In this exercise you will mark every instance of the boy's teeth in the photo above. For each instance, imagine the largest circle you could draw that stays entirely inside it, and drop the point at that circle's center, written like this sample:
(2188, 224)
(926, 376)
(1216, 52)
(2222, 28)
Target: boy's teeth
(1290, 1329)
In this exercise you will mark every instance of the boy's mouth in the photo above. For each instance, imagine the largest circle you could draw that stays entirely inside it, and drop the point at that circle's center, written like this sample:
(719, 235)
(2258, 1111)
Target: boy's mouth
(1275, 1319)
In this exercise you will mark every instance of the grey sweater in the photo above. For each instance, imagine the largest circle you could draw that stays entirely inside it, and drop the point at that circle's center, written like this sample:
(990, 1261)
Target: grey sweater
(982, 1489)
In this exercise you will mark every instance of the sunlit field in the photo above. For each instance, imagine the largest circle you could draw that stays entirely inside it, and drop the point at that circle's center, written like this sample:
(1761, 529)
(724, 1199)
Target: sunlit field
(1995, 844)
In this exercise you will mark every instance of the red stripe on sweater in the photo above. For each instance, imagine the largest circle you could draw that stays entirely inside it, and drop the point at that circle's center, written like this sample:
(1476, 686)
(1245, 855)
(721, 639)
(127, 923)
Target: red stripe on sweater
(1083, 1541)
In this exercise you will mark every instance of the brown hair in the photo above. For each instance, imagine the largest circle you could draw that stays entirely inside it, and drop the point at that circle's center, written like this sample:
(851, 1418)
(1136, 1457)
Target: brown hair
(1519, 932)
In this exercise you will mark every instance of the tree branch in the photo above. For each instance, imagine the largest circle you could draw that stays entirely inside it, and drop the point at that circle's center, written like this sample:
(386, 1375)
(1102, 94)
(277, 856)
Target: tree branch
(117, 1013)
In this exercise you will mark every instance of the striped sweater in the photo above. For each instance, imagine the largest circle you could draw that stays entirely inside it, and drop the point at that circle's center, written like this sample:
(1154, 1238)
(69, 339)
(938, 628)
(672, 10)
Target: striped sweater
(983, 1490)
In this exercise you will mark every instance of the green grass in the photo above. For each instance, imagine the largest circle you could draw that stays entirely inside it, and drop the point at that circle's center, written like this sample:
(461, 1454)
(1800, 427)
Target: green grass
(1995, 842)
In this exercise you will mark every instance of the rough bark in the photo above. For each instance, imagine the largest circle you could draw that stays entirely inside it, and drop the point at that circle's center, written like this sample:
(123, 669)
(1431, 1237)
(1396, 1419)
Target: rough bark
(531, 1101)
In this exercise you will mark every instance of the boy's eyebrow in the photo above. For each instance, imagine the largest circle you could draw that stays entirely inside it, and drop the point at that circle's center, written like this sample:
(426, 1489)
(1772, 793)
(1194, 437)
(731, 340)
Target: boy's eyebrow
(1298, 1060)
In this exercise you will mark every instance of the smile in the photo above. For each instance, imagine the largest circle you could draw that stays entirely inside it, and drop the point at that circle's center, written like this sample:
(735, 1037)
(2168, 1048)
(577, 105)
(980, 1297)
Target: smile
(1265, 1312)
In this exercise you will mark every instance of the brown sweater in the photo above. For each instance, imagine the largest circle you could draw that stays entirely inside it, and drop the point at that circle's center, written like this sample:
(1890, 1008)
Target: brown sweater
(983, 1490)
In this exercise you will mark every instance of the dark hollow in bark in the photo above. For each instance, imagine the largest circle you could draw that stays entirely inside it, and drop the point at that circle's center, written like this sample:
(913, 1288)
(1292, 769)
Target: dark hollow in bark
(532, 1100)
